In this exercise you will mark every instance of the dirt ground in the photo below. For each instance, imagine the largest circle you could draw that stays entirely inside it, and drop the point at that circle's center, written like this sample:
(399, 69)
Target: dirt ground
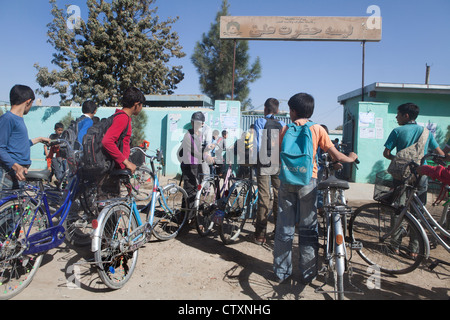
(194, 268)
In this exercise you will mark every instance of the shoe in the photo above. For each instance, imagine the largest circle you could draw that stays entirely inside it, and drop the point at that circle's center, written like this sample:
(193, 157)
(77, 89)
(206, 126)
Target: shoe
(259, 240)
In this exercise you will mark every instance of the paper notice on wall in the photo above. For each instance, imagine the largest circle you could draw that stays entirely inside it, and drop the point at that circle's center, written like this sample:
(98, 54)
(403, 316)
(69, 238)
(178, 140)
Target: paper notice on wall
(379, 133)
(173, 122)
(223, 107)
(378, 122)
(366, 118)
(367, 133)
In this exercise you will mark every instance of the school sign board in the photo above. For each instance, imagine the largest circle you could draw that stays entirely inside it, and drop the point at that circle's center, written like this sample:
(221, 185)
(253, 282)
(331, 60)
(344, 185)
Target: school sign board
(301, 28)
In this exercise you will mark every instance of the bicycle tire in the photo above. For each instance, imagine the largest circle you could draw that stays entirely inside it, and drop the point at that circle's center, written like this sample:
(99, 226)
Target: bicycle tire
(235, 213)
(206, 205)
(394, 255)
(18, 270)
(169, 219)
(142, 184)
(115, 264)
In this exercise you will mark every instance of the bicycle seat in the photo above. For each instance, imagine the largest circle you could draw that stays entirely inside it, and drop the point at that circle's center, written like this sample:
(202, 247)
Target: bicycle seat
(333, 182)
(120, 173)
(38, 175)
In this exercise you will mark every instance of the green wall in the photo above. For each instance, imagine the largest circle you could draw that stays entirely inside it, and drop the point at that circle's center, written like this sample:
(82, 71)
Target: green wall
(165, 127)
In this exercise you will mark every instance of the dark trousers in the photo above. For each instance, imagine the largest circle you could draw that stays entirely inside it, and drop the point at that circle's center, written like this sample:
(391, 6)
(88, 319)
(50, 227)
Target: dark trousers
(191, 179)
(264, 202)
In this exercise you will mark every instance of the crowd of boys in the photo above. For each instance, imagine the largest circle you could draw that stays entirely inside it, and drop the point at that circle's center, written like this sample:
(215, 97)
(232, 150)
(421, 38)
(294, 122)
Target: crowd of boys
(293, 205)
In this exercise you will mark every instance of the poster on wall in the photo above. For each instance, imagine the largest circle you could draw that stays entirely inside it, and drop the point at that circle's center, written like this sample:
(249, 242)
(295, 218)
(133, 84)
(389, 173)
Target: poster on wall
(366, 119)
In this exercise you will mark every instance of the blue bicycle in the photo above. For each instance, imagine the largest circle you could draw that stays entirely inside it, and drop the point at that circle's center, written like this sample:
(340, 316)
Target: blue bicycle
(120, 231)
(29, 227)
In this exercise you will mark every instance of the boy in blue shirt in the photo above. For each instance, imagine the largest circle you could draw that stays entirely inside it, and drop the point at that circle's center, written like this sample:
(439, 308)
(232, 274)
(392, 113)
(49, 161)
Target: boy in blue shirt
(406, 135)
(14, 142)
(86, 121)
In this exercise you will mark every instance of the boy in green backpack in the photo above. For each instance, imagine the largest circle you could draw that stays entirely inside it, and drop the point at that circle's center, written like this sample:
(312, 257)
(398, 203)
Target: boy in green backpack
(297, 203)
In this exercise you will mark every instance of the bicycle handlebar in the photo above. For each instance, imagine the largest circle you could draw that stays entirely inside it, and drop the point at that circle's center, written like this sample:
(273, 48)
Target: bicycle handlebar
(435, 157)
(159, 156)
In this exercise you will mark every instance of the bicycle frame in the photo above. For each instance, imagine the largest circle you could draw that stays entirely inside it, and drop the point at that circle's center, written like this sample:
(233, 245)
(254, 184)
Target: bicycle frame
(336, 224)
(143, 228)
(418, 207)
(213, 178)
(54, 235)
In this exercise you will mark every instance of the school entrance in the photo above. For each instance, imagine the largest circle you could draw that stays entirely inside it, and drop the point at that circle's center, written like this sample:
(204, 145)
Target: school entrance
(361, 29)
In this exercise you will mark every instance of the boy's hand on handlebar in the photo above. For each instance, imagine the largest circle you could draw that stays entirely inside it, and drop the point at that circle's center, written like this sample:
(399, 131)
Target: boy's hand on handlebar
(130, 166)
(353, 156)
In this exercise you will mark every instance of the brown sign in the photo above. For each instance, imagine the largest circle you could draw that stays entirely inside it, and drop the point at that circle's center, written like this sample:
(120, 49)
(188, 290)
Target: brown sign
(301, 28)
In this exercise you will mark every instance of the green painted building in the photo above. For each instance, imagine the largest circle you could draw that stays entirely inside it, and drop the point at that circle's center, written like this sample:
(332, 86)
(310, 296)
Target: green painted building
(369, 118)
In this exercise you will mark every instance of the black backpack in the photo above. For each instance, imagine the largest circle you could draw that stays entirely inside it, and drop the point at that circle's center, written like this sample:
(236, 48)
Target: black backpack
(96, 161)
(71, 136)
(270, 138)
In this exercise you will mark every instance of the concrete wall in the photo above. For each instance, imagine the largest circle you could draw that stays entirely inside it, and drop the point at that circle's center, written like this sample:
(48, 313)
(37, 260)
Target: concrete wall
(165, 127)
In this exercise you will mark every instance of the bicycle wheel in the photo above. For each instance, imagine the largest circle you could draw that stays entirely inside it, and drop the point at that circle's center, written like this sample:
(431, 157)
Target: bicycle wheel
(401, 253)
(115, 262)
(235, 213)
(18, 219)
(78, 223)
(142, 183)
(205, 208)
(170, 216)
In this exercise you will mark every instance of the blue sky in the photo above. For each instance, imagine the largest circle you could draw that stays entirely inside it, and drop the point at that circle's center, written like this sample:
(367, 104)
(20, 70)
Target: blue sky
(415, 33)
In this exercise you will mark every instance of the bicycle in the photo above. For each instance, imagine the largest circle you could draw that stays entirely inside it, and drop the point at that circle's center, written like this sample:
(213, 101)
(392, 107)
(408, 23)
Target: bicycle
(235, 209)
(336, 213)
(392, 236)
(206, 201)
(119, 230)
(228, 209)
(28, 228)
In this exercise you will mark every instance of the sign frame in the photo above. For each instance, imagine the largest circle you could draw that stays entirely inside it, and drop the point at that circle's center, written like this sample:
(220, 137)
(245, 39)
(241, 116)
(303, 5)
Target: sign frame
(290, 28)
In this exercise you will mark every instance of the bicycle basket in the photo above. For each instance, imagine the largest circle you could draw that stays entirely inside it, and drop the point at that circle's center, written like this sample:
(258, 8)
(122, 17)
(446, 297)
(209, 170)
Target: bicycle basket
(137, 157)
(384, 190)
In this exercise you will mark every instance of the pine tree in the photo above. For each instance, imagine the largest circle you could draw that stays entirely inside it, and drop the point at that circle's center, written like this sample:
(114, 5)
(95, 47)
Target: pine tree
(122, 44)
(213, 59)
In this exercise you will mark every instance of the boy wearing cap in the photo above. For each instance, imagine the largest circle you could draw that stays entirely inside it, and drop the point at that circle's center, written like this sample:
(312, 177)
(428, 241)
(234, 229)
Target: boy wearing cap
(191, 156)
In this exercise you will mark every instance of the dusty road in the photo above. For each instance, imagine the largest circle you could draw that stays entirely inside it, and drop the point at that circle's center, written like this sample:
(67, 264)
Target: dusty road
(194, 268)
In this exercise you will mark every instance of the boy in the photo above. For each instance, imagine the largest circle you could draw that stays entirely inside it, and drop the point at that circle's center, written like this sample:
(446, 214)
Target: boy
(59, 129)
(14, 142)
(268, 167)
(191, 155)
(132, 103)
(406, 135)
(86, 121)
(298, 203)
(55, 162)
